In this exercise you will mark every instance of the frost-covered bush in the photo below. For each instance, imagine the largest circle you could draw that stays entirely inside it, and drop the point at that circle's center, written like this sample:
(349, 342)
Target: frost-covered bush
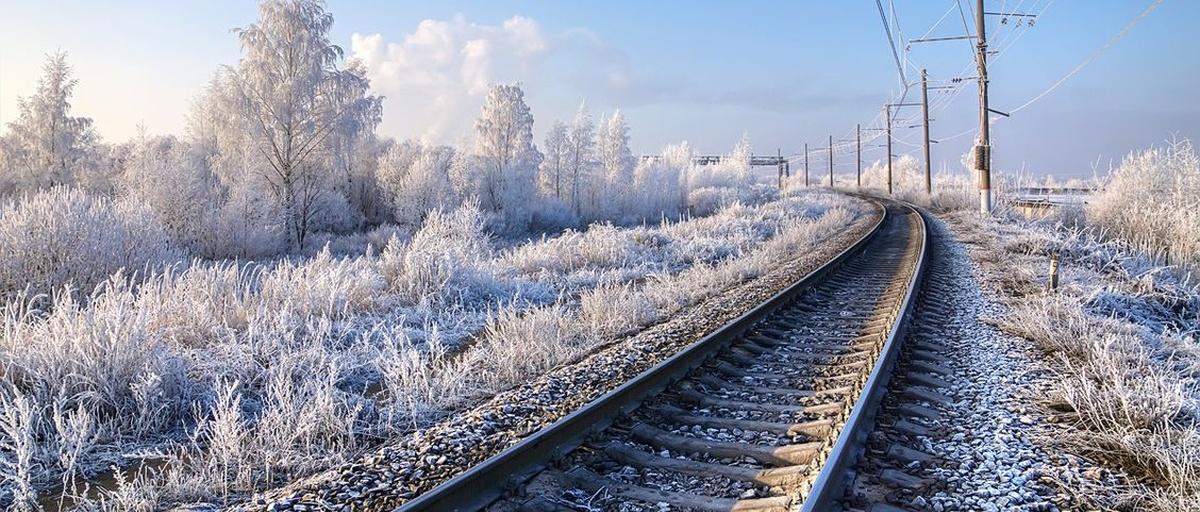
(447, 260)
(708, 200)
(415, 179)
(1152, 200)
(552, 215)
(732, 171)
(173, 180)
(247, 227)
(658, 187)
(63, 237)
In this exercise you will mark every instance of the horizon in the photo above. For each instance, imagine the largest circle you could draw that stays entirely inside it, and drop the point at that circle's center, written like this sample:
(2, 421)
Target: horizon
(673, 81)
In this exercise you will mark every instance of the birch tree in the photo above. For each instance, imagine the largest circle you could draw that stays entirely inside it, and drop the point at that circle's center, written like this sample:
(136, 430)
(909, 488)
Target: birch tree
(292, 98)
(553, 168)
(616, 166)
(581, 145)
(507, 157)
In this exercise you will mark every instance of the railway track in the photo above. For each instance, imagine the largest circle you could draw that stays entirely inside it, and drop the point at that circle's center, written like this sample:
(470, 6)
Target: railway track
(770, 410)
(896, 470)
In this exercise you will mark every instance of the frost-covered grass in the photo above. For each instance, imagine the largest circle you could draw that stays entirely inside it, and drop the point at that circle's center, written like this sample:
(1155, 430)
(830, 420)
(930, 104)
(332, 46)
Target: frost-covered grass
(1149, 204)
(1152, 201)
(951, 190)
(1121, 334)
(228, 377)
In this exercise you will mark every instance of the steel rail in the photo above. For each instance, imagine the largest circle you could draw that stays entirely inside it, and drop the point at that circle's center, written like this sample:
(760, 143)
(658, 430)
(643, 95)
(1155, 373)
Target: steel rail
(484, 483)
(829, 487)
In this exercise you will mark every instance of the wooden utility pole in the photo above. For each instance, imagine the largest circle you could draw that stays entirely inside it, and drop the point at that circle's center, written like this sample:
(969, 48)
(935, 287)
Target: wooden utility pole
(983, 150)
(779, 169)
(831, 161)
(858, 143)
(925, 115)
(805, 164)
(887, 113)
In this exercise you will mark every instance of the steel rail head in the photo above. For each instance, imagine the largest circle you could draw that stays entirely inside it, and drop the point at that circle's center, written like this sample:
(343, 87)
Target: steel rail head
(829, 487)
(482, 484)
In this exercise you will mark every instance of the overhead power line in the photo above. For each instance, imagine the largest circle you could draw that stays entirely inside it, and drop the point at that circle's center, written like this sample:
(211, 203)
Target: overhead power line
(1095, 54)
(887, 29)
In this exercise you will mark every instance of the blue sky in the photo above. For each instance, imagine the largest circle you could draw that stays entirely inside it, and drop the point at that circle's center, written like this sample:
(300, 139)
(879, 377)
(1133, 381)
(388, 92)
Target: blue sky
(786, 73)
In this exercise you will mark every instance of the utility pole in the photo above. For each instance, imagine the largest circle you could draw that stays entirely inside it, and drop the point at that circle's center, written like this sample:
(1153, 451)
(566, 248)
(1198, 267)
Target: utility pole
(925, 115)
(858, 143)
(779, 167)
(983, 150)
(887, 113)
(831, 161)
(805, 164)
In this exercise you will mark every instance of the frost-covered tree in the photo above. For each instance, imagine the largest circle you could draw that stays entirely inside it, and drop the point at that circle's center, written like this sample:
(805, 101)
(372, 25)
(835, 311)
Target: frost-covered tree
(711, 187)
(506, 157)
(46, 146)
(248, 222)
(553, 169)
(581, 158)
(293, 99)
(354, 152)
(657, 183)
(415, 179)
(732, 171)
(907, 174)
(737, 163)
(173, 180)
(616, 161)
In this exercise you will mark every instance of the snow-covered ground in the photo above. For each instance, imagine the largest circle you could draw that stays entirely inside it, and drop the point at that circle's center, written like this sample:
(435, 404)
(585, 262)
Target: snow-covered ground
(236, 377)
(1116, 382)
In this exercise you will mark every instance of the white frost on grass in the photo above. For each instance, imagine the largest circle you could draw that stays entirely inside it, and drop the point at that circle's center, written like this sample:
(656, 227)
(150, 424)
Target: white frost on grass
(247, 375)
(1122, 333)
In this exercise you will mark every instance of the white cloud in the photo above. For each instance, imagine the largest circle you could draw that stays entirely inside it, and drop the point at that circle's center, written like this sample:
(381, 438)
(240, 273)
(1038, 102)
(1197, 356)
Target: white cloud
(436, 77)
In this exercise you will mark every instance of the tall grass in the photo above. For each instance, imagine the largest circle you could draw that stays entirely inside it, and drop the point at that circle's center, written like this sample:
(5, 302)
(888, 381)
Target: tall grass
(246, 375)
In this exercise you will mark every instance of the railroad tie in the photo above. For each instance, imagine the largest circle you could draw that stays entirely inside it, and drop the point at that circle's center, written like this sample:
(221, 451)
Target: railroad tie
(786, 455)
(592, 482)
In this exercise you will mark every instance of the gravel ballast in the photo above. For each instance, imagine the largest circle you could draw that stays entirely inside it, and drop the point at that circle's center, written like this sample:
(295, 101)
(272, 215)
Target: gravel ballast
(987, 440)
(989, 444)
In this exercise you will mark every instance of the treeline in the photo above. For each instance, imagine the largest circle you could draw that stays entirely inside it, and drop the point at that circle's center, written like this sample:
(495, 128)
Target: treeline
(283, 145)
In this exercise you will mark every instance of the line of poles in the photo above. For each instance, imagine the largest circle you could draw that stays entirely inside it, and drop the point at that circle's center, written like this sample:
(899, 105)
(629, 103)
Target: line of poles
(982, 148)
